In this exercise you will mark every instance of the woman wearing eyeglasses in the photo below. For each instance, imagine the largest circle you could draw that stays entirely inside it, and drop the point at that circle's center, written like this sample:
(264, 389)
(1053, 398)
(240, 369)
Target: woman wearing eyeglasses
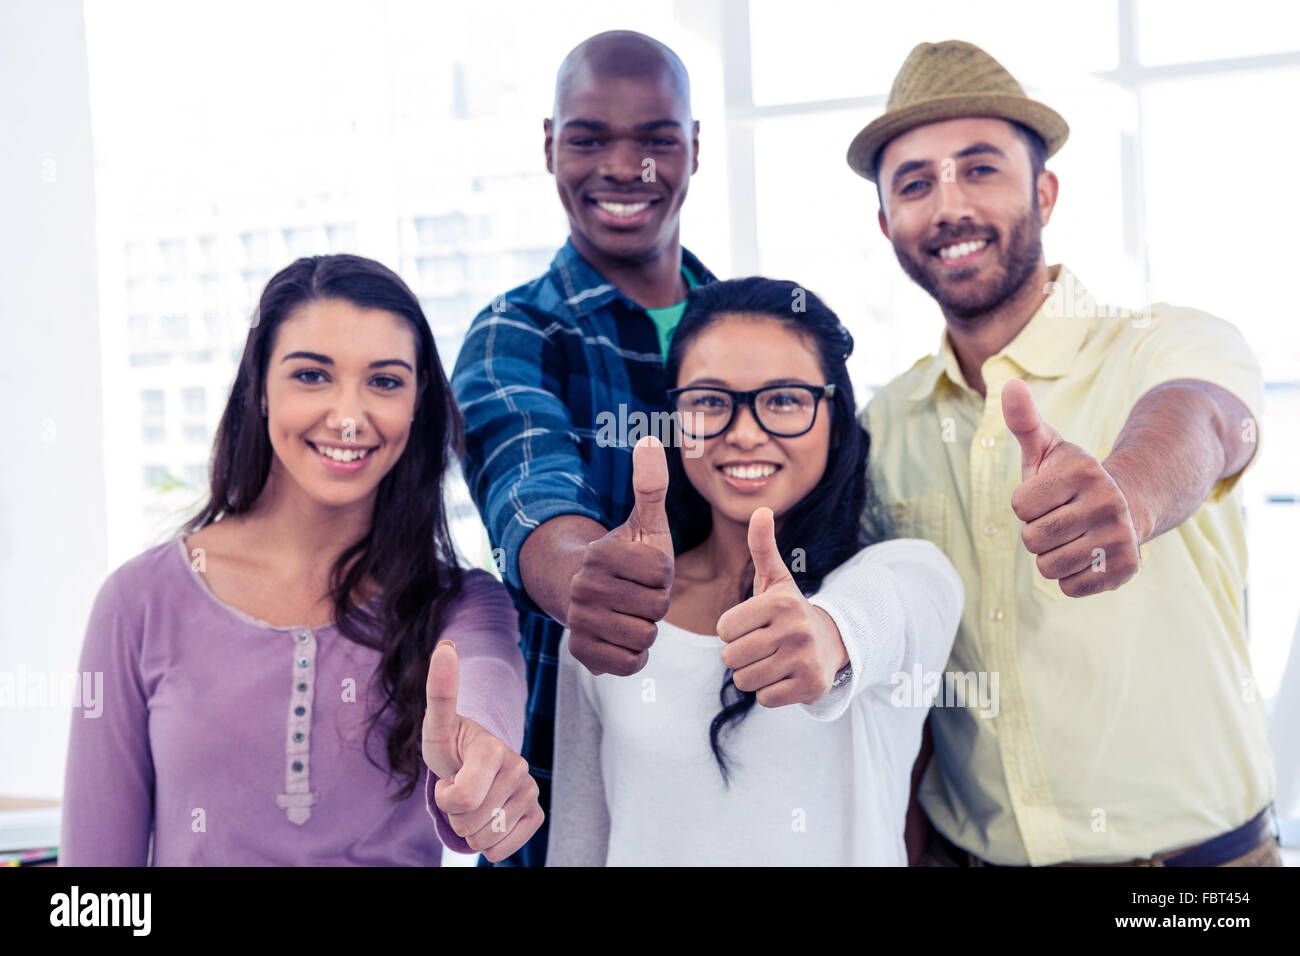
(676, 764)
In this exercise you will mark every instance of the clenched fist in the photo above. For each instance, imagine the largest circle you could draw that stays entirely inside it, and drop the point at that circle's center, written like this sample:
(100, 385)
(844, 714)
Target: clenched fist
(621, 589)
(484, 787)
(776, 642)
(1077, 519)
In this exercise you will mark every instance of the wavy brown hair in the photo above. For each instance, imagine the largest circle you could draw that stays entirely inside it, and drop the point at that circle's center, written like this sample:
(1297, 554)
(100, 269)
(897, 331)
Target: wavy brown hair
(407, 550)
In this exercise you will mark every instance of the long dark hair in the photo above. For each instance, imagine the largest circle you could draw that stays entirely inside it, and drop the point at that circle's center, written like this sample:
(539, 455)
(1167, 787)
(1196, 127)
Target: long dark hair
(824, 526)
(407, 549)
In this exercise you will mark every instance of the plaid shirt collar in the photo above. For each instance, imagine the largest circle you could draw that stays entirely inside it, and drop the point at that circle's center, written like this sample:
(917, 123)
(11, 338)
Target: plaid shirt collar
(587, 291)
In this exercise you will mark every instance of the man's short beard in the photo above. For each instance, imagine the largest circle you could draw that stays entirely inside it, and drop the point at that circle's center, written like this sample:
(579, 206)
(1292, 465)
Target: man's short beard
(1018, 257)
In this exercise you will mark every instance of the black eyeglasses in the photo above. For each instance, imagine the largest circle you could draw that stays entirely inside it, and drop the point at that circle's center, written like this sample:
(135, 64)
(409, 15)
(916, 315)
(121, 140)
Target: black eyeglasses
(785, 411)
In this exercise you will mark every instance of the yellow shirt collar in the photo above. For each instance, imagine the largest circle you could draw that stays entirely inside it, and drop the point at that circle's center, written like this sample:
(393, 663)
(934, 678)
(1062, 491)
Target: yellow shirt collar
(1045, 347)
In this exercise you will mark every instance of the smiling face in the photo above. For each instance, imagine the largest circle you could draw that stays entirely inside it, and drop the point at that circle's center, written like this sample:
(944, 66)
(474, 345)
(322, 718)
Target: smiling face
(964, 212)
(340, 395)
(745, 468)
(604, 130)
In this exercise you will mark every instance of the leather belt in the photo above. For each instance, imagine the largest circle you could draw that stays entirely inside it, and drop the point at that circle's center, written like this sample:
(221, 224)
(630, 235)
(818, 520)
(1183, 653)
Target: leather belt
(1213, 852)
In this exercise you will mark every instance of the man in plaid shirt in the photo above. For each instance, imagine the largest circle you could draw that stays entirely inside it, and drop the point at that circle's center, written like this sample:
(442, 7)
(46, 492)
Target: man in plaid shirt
(542, 362)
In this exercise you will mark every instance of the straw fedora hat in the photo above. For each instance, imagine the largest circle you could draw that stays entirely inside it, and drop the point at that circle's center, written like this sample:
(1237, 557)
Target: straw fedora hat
(947, 80)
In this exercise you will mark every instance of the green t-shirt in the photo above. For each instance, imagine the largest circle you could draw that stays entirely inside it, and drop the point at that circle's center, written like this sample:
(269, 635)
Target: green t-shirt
(666, 319)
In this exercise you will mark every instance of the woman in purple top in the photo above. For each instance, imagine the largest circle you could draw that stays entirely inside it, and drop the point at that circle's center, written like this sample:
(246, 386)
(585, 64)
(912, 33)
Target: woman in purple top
(271, 690)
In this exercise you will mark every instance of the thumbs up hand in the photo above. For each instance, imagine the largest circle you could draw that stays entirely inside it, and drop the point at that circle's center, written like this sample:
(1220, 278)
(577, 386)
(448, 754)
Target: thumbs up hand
(1077, 518)
(622, 587)
(776, 642)
(648, 522)
(484, 787)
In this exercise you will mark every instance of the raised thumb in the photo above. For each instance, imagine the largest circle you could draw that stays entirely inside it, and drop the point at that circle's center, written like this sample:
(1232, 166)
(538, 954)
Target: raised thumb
(441, 722)
(769, 569)
(650, 486)
(1035, 436)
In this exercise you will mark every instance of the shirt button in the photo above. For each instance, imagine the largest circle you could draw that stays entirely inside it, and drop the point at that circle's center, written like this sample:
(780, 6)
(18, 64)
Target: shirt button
(303, 688)
(995, 614)
(300, 710)
(298, 738)
(988, 441)
(990, 529)
(304, 637)
(303, 661)
(297, 765)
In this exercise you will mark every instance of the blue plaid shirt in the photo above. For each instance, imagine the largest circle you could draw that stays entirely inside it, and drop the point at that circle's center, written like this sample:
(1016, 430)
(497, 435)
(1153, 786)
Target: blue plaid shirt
(535, 370)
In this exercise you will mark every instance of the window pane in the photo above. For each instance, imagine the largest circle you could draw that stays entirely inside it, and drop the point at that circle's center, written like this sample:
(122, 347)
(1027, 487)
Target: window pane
(257, 247)
(1176, 31)
(151, 402)
(173, 253)
(300, 242)
(822, 49)
(1206, 239)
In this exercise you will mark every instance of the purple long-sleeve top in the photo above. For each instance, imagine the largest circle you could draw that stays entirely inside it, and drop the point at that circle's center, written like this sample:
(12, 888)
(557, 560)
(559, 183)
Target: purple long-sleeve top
(231, 742)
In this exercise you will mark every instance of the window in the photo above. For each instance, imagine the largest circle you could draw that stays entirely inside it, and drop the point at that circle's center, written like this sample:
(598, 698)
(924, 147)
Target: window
(256, 246)
(194, 400)
(299, 242)
(151, 403)
(176, 327)
(208, 250)
(254, 281)
(141, 293)
(139, 257)
(341, 237)
(531, 262)
(1176, 31)
(436, 229)
(831, 50)
(441, 273)
(210, 290)
(144, 359)
(173, 253)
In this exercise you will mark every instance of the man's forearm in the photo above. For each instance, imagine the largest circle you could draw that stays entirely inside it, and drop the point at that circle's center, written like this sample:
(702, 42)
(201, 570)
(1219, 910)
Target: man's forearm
(551, 556)
(1180, 439)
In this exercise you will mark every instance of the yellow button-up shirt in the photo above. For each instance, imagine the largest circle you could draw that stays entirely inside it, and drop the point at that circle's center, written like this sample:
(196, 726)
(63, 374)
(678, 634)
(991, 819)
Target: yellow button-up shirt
(1123, 724)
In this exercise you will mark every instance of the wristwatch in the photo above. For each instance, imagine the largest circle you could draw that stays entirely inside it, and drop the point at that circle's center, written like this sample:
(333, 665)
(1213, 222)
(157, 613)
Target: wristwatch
(843, 676)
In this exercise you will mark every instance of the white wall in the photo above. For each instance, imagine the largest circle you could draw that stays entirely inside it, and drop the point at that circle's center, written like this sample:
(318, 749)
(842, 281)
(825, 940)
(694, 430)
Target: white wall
(52, 527)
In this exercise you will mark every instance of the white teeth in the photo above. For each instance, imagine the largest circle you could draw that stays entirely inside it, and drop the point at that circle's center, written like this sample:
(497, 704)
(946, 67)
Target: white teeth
(622, 209)
(339, 454)
(962, 249)
(749, 471)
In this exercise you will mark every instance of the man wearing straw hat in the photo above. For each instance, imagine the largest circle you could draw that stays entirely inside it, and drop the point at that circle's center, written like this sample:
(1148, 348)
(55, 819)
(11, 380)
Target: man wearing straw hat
(1078, 464)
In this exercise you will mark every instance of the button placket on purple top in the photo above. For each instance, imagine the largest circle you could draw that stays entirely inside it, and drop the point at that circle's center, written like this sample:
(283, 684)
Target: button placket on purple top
(298, 799)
